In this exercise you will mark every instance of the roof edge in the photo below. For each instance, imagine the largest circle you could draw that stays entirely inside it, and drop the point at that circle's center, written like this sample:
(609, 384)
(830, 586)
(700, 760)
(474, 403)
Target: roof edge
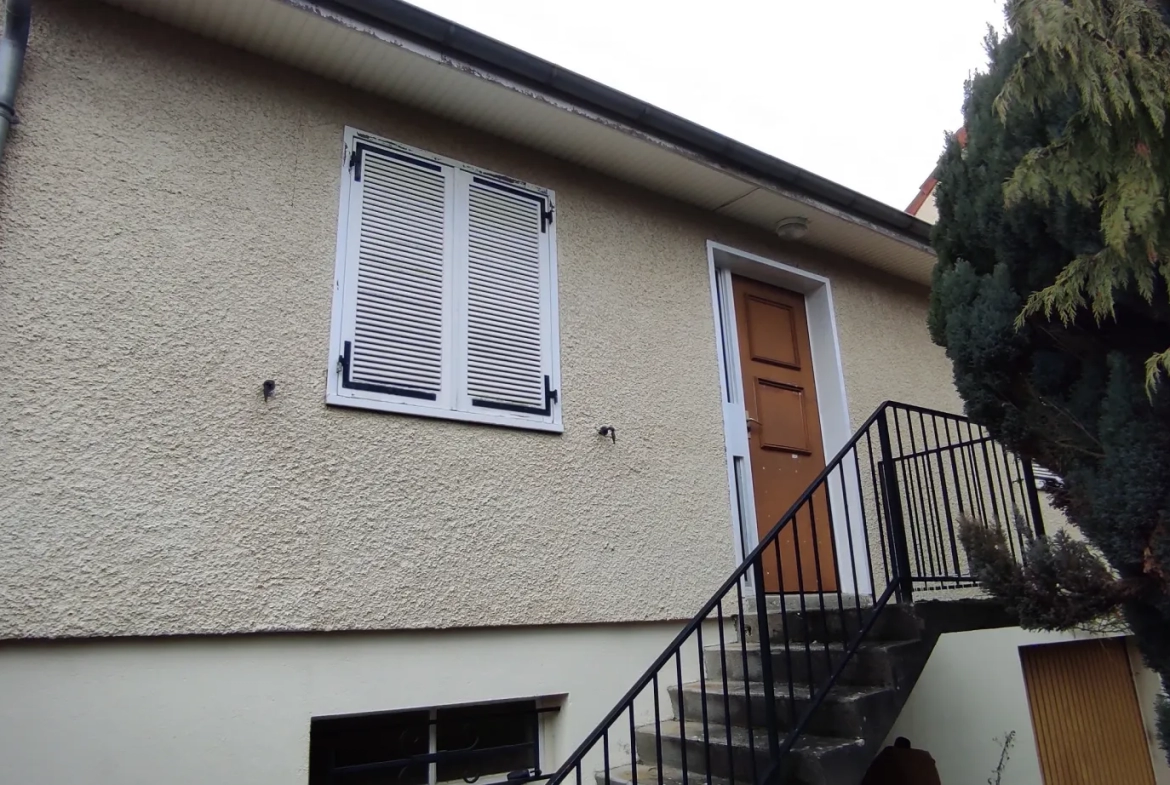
(506, 61)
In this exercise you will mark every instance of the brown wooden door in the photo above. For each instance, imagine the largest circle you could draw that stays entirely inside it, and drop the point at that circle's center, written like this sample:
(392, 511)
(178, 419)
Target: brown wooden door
(1085, 714)
(784, 433)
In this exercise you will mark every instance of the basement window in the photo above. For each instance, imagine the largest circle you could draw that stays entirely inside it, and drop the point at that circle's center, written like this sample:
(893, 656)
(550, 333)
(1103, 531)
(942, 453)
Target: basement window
(482, 743)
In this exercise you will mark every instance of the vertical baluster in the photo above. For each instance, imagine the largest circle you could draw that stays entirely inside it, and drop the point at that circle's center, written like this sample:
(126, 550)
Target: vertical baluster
(995, 490)
(826, 488)
(726, 695)
(605, 752)
(894, 517)
(939, 496)
(812, 516)
(942, 478)
(880, 501)
(931, 483)
(1005, 479)
(869, 561)
(765, 636)
(747, 690)
(849, 533)
(918, 467)
(990, 479)
(1033, 496)
(784, 631)
(904, 462)
(974, 508)
(633, 749)
(703, 704)
(682, 714)
(974, 463)
(808, 643)
(657, 728)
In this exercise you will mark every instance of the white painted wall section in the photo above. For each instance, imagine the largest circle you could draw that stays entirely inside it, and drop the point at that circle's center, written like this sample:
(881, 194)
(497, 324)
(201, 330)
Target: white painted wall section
(191, 711)
(972, 692)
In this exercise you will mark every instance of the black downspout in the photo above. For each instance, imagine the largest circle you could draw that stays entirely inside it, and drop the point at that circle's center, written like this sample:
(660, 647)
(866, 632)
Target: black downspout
(13, 43)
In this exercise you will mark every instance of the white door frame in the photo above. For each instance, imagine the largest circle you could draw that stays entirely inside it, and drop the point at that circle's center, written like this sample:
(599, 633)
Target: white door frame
(724, 261)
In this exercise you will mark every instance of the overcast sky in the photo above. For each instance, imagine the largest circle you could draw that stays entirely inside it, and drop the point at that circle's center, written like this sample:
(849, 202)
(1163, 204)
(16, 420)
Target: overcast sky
(859, 91)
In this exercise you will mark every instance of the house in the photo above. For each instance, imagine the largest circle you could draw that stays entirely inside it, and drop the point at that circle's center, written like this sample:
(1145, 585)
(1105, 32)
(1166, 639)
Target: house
(923, 206)
(372, 400)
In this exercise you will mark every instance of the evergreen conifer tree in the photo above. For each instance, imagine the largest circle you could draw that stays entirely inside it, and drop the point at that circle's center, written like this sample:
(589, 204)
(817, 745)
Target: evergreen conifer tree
(1050, 295)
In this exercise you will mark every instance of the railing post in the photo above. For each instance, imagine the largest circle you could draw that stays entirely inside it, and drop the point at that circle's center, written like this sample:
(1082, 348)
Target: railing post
(764, 633)
(1033, 496)
(893, 498)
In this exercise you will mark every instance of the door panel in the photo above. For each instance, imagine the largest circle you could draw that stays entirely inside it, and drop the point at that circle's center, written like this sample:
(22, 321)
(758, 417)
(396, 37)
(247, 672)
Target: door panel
(1085, 714)
(786, 451)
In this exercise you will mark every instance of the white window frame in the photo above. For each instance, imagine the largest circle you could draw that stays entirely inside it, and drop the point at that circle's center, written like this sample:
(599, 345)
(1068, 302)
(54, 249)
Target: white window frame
(454, 360)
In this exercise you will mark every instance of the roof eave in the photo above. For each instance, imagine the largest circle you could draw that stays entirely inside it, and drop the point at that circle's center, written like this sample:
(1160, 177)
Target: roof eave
(506, 62)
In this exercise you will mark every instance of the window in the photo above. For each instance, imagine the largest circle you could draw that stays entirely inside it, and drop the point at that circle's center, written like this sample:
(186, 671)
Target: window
(458, 744)
(445, 291)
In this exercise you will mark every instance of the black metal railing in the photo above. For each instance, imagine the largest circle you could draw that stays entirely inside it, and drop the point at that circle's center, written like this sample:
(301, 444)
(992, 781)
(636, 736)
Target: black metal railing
(744, 678)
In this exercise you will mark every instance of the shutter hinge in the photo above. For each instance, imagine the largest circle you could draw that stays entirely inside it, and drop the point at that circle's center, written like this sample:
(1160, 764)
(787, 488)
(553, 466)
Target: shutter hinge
(550, 396)
(546, 216)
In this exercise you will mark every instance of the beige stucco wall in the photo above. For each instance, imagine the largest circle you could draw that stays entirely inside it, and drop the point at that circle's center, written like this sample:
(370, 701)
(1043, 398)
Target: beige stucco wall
(168, 214)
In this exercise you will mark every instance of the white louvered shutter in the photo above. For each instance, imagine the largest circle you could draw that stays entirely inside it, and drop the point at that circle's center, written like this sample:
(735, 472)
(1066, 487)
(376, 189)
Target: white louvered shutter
(505, 335)
(397, 319)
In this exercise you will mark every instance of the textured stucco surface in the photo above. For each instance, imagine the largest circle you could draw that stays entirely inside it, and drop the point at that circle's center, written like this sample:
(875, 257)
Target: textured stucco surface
(167, 224)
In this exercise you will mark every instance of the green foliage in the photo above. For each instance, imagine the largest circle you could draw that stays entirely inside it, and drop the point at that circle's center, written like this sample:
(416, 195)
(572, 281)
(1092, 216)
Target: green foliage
(1052, 310)
(1108, 155)
(1061, 585)
(1162, 719)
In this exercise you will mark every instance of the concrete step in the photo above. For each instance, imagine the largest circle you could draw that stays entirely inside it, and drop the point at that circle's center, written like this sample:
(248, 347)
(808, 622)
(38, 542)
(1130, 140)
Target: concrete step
(848, 711)
(880, 663)
(652, 774)
(831, 625)
(813, 761)
(794, 601)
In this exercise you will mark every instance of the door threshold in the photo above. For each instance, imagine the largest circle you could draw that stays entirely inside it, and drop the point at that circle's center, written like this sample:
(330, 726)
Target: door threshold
(811, 602)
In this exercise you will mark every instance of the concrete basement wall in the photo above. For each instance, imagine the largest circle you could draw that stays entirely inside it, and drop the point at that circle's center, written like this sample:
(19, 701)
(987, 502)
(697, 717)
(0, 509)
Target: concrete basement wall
(168, 213)
(972, 692)
(191, 711)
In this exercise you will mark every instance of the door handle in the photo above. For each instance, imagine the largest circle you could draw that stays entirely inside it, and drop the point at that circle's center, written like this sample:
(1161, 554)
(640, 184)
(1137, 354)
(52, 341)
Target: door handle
(752, 420)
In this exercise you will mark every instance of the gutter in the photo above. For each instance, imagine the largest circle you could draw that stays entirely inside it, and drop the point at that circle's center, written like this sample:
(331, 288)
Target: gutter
(13, 43)
(412, 23)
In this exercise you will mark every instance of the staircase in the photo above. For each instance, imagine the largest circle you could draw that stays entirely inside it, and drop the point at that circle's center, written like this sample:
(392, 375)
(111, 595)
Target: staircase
(778, 680)
(845, 732)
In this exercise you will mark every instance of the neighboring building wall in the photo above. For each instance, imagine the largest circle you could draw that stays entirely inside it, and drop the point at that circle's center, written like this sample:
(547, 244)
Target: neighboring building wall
(929, 210)
(972, 692)
(168, 215)
(192, 711)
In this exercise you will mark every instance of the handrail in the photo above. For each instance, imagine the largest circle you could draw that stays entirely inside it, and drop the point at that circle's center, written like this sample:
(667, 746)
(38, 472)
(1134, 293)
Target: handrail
(898, 524)
(709, 606)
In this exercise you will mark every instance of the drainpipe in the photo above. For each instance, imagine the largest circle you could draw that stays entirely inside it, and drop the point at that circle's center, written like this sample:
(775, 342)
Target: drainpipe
(12, 46)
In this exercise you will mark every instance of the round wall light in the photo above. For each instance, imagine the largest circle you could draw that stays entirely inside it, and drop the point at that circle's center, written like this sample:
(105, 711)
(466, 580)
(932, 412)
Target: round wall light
(794, 228)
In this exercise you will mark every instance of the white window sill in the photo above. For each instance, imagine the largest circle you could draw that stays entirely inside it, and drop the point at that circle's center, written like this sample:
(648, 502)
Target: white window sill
(499, 419)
